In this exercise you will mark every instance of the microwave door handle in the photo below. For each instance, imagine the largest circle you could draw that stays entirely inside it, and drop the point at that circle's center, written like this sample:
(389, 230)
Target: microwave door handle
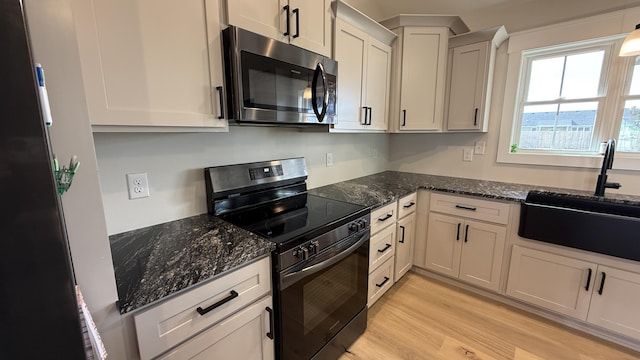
(319, 72)
(289, 279)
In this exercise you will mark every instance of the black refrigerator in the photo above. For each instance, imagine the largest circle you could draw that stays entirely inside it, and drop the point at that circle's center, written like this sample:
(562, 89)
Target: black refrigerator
(39, 317)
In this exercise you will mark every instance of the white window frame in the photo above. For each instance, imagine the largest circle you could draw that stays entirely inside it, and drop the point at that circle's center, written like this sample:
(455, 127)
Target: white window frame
(590, 31)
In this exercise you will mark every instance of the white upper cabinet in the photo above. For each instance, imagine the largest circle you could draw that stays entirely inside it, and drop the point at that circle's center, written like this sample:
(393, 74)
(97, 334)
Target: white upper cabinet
(363, 50)
(419, 70)
(470, 79)
(303, 23)
(151, 65)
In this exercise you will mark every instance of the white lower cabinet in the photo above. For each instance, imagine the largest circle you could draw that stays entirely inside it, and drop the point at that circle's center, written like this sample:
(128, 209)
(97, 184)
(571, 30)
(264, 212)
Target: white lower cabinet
(212, 318)
(381, 251)
(247, 335)
(405, 234)
(599, 294)
(380, 280)
(469, 250)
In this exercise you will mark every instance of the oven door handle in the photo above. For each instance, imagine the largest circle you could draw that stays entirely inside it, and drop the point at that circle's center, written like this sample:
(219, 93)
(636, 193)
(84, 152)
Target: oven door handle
(290, 278)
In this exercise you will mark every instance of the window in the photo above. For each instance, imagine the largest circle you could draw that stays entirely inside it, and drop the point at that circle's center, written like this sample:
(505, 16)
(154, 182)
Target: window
(567, 91)
(562, 89)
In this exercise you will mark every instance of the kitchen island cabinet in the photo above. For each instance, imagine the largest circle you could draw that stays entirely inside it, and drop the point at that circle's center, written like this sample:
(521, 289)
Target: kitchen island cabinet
(151, 65)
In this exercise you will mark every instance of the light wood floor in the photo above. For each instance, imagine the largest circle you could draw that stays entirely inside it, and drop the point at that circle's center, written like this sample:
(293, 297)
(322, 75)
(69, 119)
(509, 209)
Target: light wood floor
(420, 318)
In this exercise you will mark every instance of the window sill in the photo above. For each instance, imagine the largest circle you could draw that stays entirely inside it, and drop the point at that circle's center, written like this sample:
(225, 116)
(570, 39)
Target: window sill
(621, 161)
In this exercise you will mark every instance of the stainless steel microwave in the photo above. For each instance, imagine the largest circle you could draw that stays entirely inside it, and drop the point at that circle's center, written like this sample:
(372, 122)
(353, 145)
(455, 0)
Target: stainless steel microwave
(273, 83)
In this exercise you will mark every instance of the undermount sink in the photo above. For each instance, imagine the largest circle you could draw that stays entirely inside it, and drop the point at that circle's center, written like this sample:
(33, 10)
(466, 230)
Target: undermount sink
(592, 224)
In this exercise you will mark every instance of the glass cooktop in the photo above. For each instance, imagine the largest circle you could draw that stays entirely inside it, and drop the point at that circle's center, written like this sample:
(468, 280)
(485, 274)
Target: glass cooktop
(296, 218)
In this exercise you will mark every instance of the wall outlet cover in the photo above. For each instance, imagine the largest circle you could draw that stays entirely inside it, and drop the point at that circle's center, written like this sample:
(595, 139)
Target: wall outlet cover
(480, 147)
(138, 185)
(329, 159)
(467, 154)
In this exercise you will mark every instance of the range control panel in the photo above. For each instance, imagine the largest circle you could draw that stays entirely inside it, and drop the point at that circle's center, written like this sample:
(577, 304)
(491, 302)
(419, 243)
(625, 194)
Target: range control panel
(265, 172)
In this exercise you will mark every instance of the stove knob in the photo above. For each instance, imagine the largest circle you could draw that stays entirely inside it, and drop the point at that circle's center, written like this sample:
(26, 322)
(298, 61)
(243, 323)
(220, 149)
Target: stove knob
(302, 253)
(362, 224)
(313, 247)
(353, 227)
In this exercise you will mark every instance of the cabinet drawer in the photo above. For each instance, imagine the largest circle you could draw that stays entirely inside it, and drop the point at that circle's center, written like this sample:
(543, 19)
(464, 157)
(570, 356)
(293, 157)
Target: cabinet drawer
(380, 281)
(244, 335)
(173, 321)
(407, 205)
(382, 247)
(472, 208)
(383, 217)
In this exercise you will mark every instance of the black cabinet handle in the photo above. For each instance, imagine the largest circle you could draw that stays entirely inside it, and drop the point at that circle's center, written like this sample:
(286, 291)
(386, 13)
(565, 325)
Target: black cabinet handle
(385, 248)
(366, 111)
(297, 12)
(270, 333)
(402, 240)
(286, 8)
(232, 295)
(466, 233)
(404, 117)
(370, 114)
(386, 217)
(475, 118)
(406, 206)
(604, 277)
(458, 233)
(588, 279)
(383, 282)
(465, 208)
(220, 97)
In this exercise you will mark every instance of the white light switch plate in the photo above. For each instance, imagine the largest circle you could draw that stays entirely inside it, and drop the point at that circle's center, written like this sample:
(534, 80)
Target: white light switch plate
(479, 148)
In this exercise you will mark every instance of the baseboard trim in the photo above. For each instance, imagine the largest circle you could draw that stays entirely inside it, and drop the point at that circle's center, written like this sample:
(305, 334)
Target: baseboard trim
(587, 328)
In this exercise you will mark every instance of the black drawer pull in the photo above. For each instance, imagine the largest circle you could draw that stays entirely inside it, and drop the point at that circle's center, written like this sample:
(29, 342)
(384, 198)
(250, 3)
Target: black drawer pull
(386, 217)
(458, 233)
(270, 333)
(465, 208)
(466, 233)
(404, 117)
(475, 118)
(385, 248)
(406, 206)
(366, 111)
(402, 240)
(383, 282)
(588, 280)
(604, 277)
(232, 295)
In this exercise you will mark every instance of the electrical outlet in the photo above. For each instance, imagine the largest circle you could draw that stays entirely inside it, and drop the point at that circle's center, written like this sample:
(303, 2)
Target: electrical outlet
(467, 154)
(138, 185)
(479, 148)
(329, 159)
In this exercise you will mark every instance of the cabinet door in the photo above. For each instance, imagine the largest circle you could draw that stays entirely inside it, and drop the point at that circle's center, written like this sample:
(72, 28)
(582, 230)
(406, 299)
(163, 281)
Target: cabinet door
(350, 52)
(444, 244)
(424, 55)
(311, 22)
(146, 62)
(246, 335)
(614, 302)
(554, 282)
(482, 251)
(264, 17)
(377, 83)
(468, 86)
(405, 234)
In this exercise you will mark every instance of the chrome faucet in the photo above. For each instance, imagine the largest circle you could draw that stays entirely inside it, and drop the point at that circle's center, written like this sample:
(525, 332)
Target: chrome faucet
(607, 163)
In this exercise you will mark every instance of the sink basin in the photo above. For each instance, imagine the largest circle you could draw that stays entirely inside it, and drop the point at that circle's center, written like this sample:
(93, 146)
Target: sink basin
(592, 224)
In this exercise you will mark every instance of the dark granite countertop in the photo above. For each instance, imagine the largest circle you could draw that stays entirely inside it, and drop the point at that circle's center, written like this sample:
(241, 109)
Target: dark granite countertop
(382, 188)
(160, 260)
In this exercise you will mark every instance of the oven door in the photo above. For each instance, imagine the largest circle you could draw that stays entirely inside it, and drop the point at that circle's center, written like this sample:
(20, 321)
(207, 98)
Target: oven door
(318, 298)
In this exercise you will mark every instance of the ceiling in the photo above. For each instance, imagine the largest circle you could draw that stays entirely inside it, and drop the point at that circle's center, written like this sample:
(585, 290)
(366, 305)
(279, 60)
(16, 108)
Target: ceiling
(516, 15)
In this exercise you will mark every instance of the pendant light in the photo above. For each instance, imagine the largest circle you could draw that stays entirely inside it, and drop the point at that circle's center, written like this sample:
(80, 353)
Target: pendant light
(631, 44)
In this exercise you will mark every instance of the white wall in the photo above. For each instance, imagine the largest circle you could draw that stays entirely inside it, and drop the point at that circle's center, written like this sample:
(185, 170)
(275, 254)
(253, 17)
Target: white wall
(175, 162)
(441, 154)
